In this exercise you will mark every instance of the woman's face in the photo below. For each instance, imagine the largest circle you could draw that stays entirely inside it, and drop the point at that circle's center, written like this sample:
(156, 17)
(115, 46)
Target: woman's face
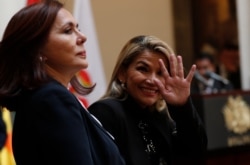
(64, 51)
(139, 78)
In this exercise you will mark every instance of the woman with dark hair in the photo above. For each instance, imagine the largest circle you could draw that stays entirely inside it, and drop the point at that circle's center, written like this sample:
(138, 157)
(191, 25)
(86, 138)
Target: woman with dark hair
(147, 106)
(40, 53)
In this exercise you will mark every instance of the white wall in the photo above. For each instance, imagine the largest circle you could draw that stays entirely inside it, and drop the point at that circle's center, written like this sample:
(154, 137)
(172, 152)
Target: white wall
(118, 21)
(243, 13)
(7, 9)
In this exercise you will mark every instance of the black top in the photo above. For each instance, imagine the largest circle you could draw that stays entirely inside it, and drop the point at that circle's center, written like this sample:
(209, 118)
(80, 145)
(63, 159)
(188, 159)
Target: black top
(51, 127)
(135, 128)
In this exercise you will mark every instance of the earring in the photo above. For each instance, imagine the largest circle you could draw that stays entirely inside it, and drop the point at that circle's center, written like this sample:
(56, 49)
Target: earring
(160, 105)
(123, 85)
(42, 58)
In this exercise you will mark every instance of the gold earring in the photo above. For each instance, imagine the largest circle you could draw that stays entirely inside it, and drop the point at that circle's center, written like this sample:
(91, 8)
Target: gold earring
(123, 85)
(160, 105)
(42, 58)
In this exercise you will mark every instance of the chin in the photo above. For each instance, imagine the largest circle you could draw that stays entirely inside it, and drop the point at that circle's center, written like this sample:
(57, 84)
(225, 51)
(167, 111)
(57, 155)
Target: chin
(84, 65)
(149, 103)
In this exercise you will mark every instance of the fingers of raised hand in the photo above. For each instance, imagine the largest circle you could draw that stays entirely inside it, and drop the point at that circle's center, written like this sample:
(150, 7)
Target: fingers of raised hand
(180, 70)
(176, 66)
(172, 62)
(163, 68)
(191, 73)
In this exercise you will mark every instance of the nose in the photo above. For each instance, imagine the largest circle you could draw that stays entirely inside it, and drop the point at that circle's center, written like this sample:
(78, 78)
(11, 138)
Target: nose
(150, 79)
(81, 38)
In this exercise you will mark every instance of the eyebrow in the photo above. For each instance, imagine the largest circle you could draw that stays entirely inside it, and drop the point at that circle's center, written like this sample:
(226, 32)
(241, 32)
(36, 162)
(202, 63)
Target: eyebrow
(70, 24)
(142, 63)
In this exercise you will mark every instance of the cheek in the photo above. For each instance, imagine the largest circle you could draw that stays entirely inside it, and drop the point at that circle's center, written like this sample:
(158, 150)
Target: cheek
(63, 46)
(60, 44)
(133, 79)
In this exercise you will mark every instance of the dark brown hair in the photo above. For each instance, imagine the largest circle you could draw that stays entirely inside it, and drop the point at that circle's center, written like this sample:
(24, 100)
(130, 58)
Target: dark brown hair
(24, 36)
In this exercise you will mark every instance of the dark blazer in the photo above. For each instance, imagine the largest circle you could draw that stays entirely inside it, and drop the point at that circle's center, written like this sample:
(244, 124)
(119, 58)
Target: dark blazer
(3, 133)
(121, 119)
(52, 128)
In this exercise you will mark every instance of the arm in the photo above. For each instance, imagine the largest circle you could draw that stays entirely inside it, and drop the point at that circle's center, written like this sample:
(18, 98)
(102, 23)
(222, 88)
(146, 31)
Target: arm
(191, 138)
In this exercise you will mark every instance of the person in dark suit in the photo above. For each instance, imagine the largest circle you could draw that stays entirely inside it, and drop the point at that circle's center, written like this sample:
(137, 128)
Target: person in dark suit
(3, 131)
(41, 51)
(147, 106)
(206, 80)
(229, 64)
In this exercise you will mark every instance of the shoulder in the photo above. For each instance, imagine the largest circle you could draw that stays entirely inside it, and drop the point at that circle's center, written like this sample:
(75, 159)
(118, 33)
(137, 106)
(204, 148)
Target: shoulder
(52, 96)
(107, 108)
(49, 93)
(111, 113)
(109, 102)
(51, 90)
(106, 105)
(51, 87)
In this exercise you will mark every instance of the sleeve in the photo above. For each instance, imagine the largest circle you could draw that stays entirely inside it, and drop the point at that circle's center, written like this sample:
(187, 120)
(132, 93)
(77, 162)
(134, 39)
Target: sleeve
(62, 130)
(191, 138)
(3, 133)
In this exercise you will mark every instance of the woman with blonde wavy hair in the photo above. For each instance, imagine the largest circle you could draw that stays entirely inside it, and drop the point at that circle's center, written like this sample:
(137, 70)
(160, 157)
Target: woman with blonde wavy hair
(147, 105)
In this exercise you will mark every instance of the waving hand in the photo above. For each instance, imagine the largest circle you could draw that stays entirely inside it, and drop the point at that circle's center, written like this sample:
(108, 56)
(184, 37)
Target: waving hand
(176, 87)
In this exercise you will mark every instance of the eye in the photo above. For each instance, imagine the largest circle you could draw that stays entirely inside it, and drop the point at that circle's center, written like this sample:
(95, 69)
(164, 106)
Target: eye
(142, 69)
(68, 30)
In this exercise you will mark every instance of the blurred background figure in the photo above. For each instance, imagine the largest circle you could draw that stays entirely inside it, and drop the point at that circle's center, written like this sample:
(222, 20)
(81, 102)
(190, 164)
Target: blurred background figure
(206, 80)
(229, 64)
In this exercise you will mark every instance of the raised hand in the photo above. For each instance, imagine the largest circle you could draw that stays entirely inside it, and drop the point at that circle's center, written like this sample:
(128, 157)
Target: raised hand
(175, 89)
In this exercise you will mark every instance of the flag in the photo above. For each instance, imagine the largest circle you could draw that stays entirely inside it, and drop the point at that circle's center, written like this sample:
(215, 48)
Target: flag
(6, 154)
(29, 2)
(83, 14)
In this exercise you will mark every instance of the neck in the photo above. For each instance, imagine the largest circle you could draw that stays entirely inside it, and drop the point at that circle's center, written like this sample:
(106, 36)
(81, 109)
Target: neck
(62, 78)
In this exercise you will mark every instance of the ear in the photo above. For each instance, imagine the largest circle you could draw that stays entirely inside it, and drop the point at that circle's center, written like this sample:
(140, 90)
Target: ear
(122, 75)
(42, 57)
